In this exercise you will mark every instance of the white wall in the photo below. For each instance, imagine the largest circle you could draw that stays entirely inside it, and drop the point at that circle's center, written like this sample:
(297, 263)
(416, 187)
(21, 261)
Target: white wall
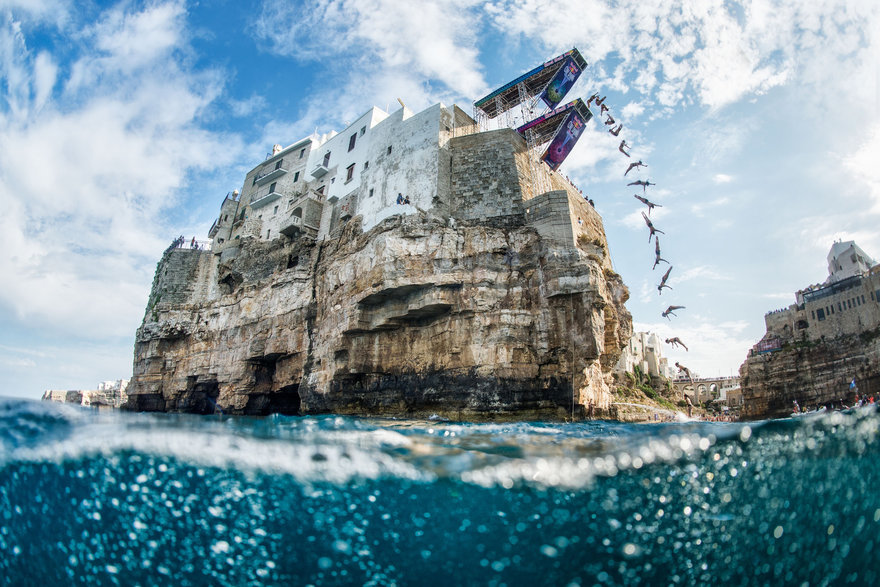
(336, 185)
(411, 169)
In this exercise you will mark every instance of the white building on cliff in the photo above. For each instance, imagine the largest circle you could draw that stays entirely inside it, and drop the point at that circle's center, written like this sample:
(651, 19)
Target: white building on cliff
(645, 352)
(847, 303)
(318, 183)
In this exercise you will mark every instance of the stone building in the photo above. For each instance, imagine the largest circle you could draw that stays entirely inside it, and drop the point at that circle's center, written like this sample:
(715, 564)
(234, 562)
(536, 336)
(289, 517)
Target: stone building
(407, 265)
(815, 347)
(848, 302)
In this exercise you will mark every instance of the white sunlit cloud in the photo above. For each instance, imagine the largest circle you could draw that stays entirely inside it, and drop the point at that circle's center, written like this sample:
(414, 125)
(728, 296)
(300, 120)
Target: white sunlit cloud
(715, 52)
(90, 162)
(425, 40)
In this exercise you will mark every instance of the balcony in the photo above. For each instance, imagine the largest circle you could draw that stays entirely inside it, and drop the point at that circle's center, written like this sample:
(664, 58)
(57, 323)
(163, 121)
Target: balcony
(215, 228)
(291, 226)
(271, 174)
(320, 170)
(267, 196)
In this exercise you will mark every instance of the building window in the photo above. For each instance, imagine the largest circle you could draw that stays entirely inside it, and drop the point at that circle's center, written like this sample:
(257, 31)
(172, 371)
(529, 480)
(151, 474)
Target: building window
(268, 232)
(371, 193)
(863, 298)
(326, 158)
(366, 165)
(272, 187)
(301, 153)
(352, 141)
(363, 130)
(296, 177)
(838, 307)
(349, 173)
(278, 164)
(320, 190)
(225, 217)
(275, 211)
(813, 314)
(820, 314)
(389, 149)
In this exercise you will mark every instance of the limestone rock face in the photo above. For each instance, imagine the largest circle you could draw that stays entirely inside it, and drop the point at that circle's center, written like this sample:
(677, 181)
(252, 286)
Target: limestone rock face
(418, 316)
(813, 373)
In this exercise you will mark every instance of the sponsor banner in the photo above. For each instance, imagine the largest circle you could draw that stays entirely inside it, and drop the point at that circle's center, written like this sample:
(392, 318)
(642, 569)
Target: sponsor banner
(561, 83)
(565, 139)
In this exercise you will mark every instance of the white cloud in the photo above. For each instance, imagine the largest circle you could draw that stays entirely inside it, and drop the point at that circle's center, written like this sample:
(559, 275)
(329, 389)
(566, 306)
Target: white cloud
(714, 52)
(53, 11)
(87, 173)
(426, 40)
(633, 110)
(720, 178)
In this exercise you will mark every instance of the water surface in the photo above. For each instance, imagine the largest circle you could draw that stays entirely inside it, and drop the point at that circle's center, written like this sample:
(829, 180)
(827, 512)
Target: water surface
(118, 498)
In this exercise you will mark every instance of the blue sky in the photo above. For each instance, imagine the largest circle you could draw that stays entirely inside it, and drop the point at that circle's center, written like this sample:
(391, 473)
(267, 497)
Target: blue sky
(124, 124)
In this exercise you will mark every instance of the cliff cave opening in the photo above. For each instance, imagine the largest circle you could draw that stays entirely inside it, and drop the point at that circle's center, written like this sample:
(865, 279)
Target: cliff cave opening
(200, 397)
(286, 401)
(264, 399)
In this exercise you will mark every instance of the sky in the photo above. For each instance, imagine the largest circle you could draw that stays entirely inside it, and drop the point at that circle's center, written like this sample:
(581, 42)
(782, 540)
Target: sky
(124, 124)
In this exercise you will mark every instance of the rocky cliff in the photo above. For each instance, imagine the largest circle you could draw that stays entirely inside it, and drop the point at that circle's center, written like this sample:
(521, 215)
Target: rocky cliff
(498, 301)
(813, 373)
(416, 317)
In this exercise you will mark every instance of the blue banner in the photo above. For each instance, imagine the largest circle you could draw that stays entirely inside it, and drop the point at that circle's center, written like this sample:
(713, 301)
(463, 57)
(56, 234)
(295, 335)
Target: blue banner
(561, 83)
(565, 139)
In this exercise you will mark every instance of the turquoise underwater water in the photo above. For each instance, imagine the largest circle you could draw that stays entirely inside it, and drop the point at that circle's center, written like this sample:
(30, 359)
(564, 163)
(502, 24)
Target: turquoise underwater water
(138, 499)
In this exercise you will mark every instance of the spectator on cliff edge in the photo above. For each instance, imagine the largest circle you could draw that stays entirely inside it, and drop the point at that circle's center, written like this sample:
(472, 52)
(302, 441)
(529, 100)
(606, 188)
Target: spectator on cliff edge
(399, 198)
(406, 200)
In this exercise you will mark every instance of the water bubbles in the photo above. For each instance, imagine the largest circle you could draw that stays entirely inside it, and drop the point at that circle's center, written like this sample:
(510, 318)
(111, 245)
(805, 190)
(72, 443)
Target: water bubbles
(549, 551)
(631, 550)
(778, 532)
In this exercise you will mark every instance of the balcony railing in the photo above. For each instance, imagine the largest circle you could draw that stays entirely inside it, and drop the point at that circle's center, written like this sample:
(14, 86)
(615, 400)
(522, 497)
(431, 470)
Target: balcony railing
(189, 245)
(320, 170)
(271, 174)
(291, 226)
(269, 195)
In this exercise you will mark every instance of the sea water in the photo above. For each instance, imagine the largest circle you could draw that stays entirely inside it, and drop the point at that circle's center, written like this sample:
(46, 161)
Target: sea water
(142, 499)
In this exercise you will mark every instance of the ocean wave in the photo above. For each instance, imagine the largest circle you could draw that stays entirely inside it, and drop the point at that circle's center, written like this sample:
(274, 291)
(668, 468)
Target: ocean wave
(342, 449)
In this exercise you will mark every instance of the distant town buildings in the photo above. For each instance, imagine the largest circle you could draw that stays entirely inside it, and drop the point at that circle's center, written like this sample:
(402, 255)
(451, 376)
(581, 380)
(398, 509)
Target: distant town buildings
(109, 394)
(645, 352)
(848, 302)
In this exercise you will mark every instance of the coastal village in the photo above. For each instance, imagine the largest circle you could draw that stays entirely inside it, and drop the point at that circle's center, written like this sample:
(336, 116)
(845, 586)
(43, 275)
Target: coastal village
(407, 248)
